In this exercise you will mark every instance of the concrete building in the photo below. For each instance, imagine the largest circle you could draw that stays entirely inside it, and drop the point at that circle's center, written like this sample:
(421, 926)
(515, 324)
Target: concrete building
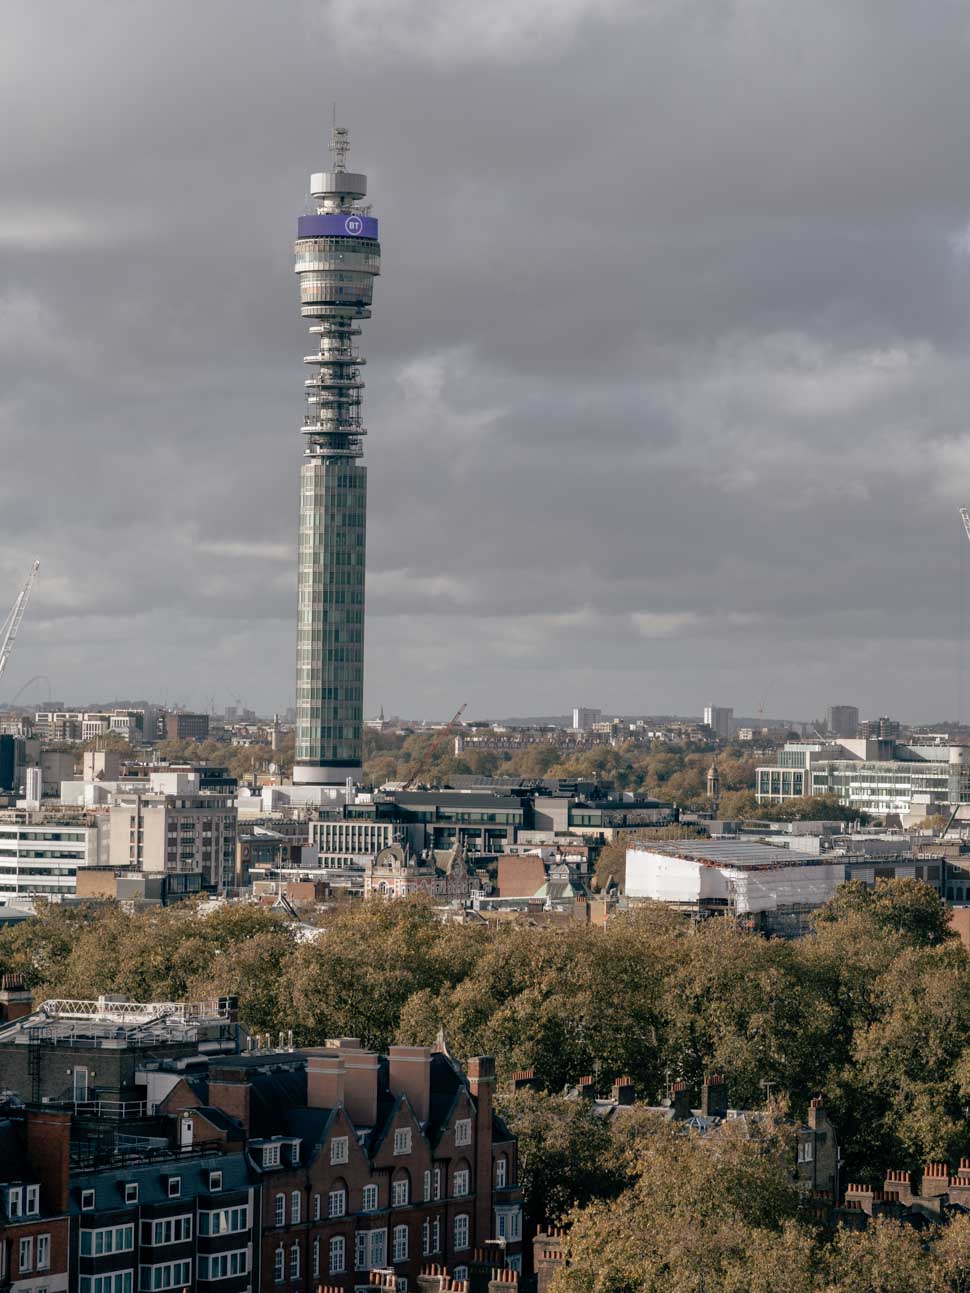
(42, 852)
(584, 718)
(883, 729)
(337, 258)
(842, 720)
(876, 776)
(176, 829)
(85, 725)
(720, 720)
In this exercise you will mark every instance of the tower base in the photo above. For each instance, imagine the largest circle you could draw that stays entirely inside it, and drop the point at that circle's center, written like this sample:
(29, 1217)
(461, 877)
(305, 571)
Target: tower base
(312, 774)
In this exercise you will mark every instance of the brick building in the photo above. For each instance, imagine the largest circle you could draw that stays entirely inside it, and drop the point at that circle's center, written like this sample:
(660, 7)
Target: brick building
(174, 1151)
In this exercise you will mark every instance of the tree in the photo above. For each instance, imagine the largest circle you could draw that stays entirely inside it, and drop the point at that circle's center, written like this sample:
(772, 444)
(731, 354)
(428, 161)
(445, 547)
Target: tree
(703, 1212)
(910, 908)
(566, 1154)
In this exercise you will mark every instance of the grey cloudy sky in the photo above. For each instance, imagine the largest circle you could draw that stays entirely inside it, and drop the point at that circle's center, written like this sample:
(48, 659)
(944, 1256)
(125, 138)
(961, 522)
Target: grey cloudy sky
(668, 379)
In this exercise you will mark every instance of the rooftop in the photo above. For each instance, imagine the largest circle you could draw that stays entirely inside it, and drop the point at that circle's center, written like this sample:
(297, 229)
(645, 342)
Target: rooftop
(735, 853)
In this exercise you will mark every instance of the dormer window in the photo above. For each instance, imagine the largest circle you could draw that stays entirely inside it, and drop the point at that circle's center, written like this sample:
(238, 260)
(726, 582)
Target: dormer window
(15, 1205)
(174, 1187)
(32, 1201)
(131, 1192)
(215, 1181)
(271, 1155)
(87, 1200)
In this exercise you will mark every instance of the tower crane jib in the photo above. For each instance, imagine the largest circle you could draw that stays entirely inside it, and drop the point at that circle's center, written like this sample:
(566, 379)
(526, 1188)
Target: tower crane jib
(12, 623)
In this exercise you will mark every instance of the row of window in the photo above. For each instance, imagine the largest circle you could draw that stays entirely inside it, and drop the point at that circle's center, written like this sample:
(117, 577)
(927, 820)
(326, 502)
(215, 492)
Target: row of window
(370, 1249)
(35, 1254)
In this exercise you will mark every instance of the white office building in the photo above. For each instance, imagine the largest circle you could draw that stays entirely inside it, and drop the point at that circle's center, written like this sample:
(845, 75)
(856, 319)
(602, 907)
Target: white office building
(40, 854)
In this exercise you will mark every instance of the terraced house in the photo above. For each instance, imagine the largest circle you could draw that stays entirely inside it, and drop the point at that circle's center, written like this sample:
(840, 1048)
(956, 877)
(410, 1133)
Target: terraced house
(160, 1147)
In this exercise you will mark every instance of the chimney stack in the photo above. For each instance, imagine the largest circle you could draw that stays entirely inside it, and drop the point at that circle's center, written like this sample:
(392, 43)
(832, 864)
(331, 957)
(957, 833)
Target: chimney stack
(361, 1069)
(714, 1096)
(230, 1091)
(679, 1101)
(16, 1001)
(409, 1073)
(325, 1078)
(623, 1092)
(587, 1088)
(49, 1154)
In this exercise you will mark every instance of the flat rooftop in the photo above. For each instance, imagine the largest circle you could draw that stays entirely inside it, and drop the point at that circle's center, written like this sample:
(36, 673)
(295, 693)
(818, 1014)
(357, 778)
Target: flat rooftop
(736, 853)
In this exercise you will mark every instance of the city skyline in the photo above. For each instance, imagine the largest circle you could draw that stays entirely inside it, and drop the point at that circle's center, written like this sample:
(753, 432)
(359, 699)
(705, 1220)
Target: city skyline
(697, 435)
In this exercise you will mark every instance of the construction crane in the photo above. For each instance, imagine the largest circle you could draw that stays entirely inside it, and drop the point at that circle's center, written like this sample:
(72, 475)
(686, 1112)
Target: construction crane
(428, 758)
(8, 631)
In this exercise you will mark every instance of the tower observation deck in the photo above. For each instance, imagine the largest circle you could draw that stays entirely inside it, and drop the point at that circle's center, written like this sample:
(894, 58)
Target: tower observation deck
(337, 258)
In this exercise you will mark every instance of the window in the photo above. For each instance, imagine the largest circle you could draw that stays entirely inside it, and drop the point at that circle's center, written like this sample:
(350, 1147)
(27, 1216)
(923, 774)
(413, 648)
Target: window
(26, 1259)
(167, 1230)
(215, 1181)
(295, 1262)
(427, 1186)
(168, 1275)
(315, 1251)
(805, 1151)
(437, 1182)
(131, 1192)
(220, 1266)
(336, 1203)
(43, 1252)
(87, 1200)
(279, 1265)
(80, 1083)
(271, 1155)
(426, 1237)
(32, 1206)
(402, 1140)
(279, 1215)
(460, 1273)
(369, 1199)
(117, 1282)
(338, 1254)
(461, 1232)
(113, 1239)
(371, 1250)
(501, 1167)
(463, 1131)
(400, 1193)
(15, 1201)
(316, 1207)
(460, 1181)
(225, 1221)
(174, 1187)
(400, 1250)
(508, 1224)
(295, 1208)
(339, 1149)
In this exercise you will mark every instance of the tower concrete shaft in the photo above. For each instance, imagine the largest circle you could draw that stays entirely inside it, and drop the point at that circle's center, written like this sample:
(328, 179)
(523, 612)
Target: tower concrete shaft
(337, 258)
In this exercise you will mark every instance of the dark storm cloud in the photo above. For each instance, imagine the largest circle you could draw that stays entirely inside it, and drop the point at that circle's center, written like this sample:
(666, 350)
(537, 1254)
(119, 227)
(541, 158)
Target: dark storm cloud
(667, 387)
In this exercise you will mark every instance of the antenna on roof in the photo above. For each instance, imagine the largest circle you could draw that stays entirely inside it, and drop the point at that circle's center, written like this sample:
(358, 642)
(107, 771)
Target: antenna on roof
(339, 144)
